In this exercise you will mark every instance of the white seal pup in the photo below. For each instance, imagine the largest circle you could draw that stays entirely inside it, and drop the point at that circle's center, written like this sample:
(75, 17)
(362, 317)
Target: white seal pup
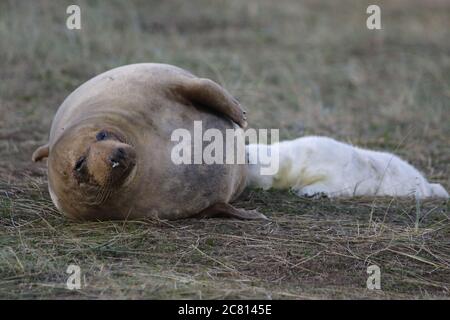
(314, 166)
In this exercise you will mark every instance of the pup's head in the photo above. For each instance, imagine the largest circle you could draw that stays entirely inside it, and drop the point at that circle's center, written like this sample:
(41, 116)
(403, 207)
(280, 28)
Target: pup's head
(259, 159)
(86, 167)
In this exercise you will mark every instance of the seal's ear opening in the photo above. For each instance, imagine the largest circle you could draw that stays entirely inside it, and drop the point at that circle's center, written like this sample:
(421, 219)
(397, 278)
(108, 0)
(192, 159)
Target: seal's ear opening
(40, 153)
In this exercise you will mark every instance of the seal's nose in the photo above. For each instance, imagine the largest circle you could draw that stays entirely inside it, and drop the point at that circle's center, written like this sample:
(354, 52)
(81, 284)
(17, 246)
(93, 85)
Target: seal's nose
(117, 157)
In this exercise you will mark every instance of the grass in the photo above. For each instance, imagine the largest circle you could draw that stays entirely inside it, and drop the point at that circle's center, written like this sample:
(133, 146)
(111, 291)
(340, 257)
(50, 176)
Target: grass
(306, 67)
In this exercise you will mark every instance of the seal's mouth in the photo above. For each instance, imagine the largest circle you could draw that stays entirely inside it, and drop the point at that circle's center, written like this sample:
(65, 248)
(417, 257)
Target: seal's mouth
(119, 158)
(105, 164)
(121, 161)
(104, 174)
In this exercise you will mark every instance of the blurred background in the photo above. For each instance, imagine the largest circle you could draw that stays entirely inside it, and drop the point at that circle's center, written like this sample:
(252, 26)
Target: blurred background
(307, 67)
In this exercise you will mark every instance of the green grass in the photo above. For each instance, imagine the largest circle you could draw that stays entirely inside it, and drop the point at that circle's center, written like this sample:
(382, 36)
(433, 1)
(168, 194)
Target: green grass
(305, 67)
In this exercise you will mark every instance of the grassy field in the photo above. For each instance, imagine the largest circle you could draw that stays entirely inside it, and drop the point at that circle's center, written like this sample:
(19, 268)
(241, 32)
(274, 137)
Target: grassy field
(305, 67)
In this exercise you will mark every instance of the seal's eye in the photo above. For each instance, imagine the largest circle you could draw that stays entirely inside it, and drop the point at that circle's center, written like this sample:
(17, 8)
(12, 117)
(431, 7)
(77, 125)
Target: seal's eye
(79, 164)
(102, 135)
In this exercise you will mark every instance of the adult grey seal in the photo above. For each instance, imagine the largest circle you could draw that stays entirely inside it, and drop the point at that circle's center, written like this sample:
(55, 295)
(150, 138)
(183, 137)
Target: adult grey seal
(109, 151)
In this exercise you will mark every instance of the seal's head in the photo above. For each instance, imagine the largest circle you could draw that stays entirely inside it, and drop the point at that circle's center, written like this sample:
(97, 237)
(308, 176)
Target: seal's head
(88, 167)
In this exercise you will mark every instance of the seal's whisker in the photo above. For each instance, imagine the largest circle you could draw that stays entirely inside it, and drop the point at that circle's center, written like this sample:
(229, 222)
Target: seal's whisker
(107, 190)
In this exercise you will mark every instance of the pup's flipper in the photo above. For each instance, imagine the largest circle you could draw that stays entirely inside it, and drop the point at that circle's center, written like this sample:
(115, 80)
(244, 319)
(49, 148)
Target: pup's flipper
(438, 191)
(225, 210)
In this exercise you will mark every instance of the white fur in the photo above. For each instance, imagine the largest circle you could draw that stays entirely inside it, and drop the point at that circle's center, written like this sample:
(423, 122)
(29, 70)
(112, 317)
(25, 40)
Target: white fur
(313, 166)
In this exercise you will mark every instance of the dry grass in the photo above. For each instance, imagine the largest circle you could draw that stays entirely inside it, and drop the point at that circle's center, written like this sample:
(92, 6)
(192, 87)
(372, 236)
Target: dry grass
(306, 67)
(312, 249)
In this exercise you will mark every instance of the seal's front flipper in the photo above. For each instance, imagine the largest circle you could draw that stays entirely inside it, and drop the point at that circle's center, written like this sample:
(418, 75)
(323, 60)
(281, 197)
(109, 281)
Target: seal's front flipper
(209, 94)
(225, 210)
(40, 153)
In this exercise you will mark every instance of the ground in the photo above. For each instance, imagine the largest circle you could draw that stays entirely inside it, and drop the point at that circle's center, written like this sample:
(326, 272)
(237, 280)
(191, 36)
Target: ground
(305, 67)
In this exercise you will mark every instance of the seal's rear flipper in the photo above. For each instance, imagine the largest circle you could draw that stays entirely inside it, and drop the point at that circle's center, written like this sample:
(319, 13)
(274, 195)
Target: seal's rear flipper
(225, 210)
(209, 94)
(40, 153)
(438, 191)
